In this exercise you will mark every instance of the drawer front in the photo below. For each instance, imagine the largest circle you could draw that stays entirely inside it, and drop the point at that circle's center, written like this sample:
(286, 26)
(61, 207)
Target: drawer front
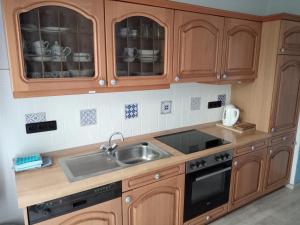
(152, 177)
(250, 147)
(209, 216)
(283, 138)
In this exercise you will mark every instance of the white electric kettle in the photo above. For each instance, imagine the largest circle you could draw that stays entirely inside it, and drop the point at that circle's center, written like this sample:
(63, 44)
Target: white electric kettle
(230, 115)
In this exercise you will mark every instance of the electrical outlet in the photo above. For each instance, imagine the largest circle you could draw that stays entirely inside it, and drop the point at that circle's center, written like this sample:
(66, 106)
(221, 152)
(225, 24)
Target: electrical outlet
(222, 98)
(215, 104)
(41, 127)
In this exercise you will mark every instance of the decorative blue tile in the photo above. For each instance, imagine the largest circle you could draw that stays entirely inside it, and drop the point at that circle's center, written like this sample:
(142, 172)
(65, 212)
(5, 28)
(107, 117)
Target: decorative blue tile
(222, 98)
(131, 111)
(35, 117)
(88, 117)
(195, 103)
(166, 107)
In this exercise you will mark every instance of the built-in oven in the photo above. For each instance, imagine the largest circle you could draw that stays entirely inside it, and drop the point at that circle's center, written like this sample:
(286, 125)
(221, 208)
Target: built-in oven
(207, 184)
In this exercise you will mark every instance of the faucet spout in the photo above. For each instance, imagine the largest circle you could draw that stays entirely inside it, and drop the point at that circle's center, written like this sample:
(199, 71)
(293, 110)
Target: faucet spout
(110, 147)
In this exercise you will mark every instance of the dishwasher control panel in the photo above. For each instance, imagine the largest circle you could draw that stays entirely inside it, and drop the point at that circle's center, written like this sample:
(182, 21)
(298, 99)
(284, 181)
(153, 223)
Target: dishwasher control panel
(57, 207)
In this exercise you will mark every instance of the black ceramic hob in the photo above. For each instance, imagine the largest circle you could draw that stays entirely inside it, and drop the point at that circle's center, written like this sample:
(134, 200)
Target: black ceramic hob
(191, 141)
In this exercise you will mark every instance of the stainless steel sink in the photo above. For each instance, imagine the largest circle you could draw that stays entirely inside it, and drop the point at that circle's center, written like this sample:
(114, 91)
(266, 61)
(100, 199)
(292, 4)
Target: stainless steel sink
(139, 153)
(84, 166)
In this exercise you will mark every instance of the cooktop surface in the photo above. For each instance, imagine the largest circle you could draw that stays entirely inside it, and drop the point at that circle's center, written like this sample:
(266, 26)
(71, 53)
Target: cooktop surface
(191, 141)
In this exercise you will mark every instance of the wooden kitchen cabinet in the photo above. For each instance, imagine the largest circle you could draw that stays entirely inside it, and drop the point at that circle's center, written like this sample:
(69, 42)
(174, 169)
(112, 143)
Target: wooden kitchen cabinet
(285, 107)
(241, 49)
(198, 40)
(140, 43)
(289, 41)
(107, 213)
(279, 162)
(247, 178)
(206, 50)
(160, 203)
(272, 100)
(56, 47)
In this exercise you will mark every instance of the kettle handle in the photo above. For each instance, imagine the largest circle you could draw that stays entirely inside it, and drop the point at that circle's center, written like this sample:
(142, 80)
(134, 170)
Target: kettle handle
(224, 114)
(237, 115)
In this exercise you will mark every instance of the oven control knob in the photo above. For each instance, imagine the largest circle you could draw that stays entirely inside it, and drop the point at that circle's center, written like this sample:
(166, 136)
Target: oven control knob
(193, 166)
(203, 163)
(227, 156)
(218, 158)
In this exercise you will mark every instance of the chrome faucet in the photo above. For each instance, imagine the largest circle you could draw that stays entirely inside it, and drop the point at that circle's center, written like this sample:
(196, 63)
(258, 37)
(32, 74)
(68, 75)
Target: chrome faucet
(110, 147)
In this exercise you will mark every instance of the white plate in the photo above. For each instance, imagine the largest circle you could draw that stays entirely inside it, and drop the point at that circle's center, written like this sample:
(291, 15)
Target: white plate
(148, 59)
(144, 52)
(54, 29)
(41, 58)
(29, 27)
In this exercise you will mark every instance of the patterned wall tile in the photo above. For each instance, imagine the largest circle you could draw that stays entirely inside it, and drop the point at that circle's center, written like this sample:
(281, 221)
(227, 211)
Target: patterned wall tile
(88, 117)
(195, 103)
(131, 111)
(35, 117)
(166, 107)
(222, 98)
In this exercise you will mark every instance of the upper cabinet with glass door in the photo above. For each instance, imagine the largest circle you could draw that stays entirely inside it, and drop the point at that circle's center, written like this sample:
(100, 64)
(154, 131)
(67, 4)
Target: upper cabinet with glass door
(139, 43)
(55, 47)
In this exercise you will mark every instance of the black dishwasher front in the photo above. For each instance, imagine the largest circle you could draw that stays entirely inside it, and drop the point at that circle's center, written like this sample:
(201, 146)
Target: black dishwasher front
(57, 207)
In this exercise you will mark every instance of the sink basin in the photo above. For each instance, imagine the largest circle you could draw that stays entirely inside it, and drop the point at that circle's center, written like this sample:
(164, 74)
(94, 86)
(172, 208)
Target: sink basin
(139, 153)
(84, 166)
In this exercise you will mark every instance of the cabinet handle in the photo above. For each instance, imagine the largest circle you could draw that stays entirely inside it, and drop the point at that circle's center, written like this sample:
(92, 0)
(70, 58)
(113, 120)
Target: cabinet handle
(273, 130)
(113, 82)
(177, 78)
(101, 82)
(128, 200)
(282, 50)
(252, 147)
(157, 176)
(271, 151)
(219, 77)
(235, 163)
(224, 76)
(207, 218)
(284, 138)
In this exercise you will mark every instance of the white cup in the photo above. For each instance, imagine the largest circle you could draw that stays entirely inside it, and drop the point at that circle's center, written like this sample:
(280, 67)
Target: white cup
(41, 47)
(130, 52)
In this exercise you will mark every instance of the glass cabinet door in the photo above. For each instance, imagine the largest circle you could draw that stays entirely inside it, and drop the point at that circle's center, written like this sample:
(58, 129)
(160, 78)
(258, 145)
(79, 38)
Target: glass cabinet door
(139, 43)
(139, 47)
(57, 43)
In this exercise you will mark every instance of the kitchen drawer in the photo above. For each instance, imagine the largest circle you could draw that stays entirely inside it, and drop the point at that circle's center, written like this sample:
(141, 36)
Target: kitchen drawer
(283, 138)
(250, 147)
(209, 216)
(152, 177)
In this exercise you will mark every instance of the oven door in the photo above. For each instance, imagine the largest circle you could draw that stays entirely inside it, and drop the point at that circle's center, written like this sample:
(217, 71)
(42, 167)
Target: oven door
(206, 189)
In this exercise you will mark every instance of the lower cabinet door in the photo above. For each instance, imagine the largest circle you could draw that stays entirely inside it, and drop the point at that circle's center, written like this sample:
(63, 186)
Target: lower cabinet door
(278, 166)
(160, 203)
(247, 178)
(107, 213)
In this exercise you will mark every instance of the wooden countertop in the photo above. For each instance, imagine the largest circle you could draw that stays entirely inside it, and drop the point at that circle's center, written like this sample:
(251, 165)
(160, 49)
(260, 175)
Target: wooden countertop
(45, 184)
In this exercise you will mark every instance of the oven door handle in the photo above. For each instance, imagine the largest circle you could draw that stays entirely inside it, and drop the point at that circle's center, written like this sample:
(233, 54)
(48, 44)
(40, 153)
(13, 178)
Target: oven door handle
(212, 174)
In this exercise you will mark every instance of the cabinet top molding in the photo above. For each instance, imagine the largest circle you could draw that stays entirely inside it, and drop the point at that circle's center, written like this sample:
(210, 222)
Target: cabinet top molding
(211, 11)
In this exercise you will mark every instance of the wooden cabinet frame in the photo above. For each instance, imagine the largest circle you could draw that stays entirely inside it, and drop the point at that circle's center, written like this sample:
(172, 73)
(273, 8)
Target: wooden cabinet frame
(23, 87)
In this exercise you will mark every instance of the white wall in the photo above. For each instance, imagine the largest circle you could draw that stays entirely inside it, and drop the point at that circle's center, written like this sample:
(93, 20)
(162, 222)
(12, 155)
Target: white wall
(278, 6)
(257, 7)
